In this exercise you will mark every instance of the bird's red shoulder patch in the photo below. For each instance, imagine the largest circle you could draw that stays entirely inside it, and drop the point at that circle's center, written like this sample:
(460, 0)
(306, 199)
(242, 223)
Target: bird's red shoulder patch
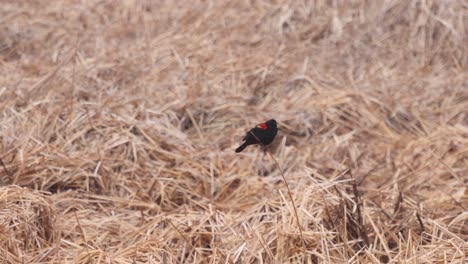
(263, 126)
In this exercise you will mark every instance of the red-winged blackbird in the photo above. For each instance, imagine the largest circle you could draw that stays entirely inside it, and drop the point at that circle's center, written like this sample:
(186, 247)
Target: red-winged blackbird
(262, 134)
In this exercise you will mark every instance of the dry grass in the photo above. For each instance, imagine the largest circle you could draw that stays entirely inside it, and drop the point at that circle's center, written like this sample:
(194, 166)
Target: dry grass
(119, 123)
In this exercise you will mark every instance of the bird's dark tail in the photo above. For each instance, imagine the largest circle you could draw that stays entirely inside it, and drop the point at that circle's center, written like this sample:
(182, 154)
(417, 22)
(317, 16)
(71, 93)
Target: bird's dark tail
(241, 147)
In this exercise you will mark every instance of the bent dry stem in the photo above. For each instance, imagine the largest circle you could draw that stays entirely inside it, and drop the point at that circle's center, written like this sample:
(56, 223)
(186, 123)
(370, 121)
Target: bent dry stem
(292, 200)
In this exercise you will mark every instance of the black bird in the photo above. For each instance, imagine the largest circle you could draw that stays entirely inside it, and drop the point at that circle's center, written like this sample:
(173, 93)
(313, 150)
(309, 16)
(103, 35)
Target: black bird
(262, 134)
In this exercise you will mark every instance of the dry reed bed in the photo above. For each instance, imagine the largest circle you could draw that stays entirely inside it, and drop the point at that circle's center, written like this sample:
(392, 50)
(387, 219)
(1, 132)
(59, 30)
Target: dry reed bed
(119, 122)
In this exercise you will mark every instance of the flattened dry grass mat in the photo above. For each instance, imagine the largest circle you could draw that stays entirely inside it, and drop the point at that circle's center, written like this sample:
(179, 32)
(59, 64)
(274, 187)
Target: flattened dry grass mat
(119, 122)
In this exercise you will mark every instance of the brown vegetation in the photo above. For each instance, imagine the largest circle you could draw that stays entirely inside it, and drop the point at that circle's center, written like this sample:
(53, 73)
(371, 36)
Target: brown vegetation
(119, 123)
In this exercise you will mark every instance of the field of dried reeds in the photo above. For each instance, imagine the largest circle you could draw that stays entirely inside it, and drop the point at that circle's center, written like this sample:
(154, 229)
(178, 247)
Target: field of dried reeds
(119, 122)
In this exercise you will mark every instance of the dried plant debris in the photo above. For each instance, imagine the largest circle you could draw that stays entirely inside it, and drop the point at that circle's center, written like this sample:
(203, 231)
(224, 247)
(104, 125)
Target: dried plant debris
(119, 123)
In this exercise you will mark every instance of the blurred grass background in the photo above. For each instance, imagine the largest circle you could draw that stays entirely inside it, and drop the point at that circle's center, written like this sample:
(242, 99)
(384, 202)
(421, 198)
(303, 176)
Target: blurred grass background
(119, 122)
